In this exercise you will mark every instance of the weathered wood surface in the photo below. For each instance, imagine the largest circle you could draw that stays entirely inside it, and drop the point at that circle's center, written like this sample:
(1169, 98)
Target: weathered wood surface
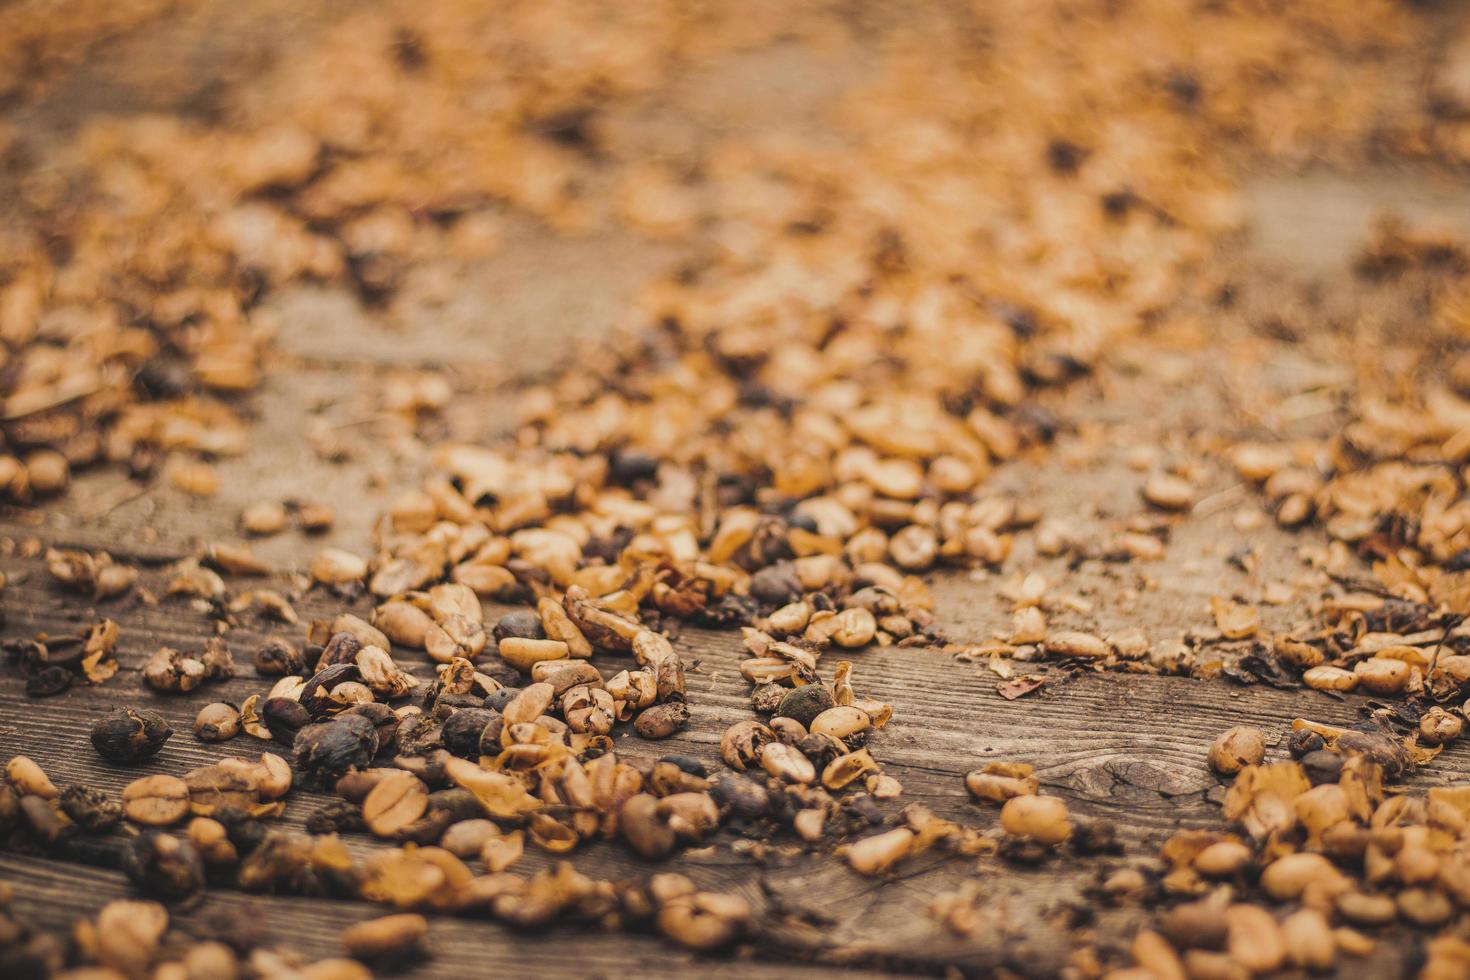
(1124, 747)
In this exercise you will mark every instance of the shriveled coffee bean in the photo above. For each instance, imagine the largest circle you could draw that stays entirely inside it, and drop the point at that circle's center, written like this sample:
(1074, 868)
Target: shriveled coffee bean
(278, 657)
(1303, 741)
(217, 722)
(329, 749)
(129, 736)
(164, 865)
(395, 802)
(662, 720)
(392, 937)
(91, 809)
(461, 732)
(805, 703)
(156, 801)
(284, 718)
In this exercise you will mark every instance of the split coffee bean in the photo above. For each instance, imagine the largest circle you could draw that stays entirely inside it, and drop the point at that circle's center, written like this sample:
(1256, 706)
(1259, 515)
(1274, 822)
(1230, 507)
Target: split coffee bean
(129, 736)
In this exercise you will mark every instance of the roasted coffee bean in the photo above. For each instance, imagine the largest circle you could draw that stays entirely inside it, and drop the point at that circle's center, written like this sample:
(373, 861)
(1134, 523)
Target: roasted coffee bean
(129, 736)
(164, 865)
(217, 722)
(91, 809)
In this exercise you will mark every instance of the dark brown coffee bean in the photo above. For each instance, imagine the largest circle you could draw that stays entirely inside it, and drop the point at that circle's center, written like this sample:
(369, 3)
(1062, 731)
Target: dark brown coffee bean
(164, 865)
(129, 736)
(92, 810)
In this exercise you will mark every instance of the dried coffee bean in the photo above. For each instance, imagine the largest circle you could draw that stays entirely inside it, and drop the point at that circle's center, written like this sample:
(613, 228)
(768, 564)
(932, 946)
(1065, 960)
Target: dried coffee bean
(765, 699)
(217, 722)
(329, 749)
(498, 699)
(163, 865)
(129, 736)
(1322, 767)
(521, 623)
(744, 797)
(395, 802)
(1237, 748)
(284, 718)
(49, 682)
(170, 671)
(1302, 741)
(9, 809)
(318, 696)
(91, 809)
(29, 779)
(776, 585)
(336, 817)
(466, 838)
(742, 742)
(212, 841)
(461, 732)
(662, 720)
(805, 703)
(1096, 837)
(156, 801)
(1040, 818)
(392, 937)
(704, 921)
(644, 828)
(47, 823)
(877, 854)
(277, 658)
